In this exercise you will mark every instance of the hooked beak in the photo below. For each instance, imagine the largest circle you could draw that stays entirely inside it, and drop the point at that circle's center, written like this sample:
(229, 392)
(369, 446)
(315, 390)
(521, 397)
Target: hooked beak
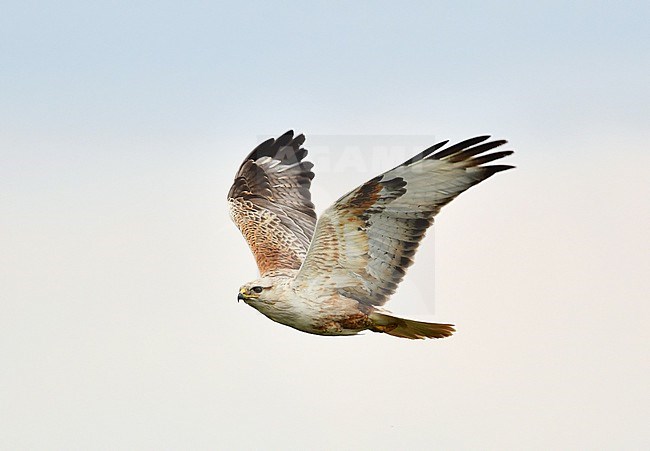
(241, 297)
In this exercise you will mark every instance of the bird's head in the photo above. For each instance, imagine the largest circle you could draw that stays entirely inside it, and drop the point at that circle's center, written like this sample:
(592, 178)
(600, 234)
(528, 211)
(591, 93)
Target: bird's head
(257, 291)
(272, 296)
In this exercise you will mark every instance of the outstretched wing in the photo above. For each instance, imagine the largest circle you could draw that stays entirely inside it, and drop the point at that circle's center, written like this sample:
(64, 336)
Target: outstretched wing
(271, 204)
(366, 240)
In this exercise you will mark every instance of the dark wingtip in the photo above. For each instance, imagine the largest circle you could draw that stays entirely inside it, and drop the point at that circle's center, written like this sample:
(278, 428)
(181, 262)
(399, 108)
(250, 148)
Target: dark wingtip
(458, 147)
(425, 153)
(283, 139)
(270, 147)
(473, 141)
(298, 140)
(497, 168)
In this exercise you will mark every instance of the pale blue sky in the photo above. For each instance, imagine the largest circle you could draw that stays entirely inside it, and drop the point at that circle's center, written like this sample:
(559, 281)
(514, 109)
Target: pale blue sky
(184, 67)
(121, 127)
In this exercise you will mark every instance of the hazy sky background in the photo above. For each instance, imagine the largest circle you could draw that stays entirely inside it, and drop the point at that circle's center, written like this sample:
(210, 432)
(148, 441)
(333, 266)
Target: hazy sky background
(121, 127)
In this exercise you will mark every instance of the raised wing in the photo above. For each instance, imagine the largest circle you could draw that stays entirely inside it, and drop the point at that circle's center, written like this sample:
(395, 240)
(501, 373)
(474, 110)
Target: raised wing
(271, 204)
(366, 240)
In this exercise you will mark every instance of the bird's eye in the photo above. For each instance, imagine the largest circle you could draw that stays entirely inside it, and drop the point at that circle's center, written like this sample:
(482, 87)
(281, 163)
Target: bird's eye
(257, 290)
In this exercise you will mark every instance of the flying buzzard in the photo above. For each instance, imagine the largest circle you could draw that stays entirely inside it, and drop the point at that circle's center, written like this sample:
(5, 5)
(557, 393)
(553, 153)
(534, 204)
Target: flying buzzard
(332, 277)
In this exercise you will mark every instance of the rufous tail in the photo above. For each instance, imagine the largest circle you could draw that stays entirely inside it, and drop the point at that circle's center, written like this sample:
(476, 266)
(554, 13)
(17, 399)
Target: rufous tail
(406, 328)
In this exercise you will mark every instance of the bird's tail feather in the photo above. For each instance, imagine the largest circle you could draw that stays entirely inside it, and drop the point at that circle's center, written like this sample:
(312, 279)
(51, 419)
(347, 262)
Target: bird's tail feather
(406, 328)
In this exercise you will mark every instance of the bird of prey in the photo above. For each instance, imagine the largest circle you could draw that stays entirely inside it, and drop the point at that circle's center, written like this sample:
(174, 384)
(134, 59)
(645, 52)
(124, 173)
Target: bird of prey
(331, 277)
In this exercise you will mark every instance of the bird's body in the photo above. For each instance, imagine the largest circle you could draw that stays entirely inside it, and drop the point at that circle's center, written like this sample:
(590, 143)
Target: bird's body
(332, 277)
(308, 309)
